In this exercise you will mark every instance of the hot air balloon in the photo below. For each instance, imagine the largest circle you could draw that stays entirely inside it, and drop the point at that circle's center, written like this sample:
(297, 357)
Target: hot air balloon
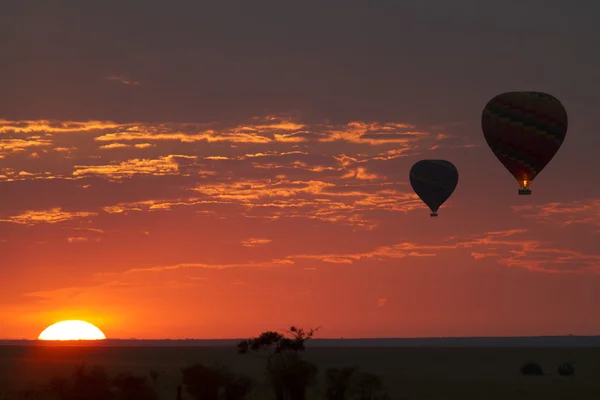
(433, 181)
(524, 130)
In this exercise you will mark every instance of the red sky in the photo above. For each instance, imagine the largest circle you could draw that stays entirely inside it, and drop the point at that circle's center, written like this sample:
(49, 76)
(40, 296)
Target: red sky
(237, 194)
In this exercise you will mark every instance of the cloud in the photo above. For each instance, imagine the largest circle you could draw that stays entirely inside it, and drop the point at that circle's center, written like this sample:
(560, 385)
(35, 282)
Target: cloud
(375, 133)
(585, 212)
(64, 149)
(77, 239)
(361, 174)
(93, 230)
(533, 257)
(258, 130)
(166, 165)
(182, 266)
(270, 130)
(277, 199)
(479, 256)
(252, 242)
(115, 146)
(382, 253)
(278, 146)
(10, 175)
(98, 289)
(504, 248)
(50, 126)
(51, 216)
(394, 153)
(122, 79)
(9, 146)
(511, 252)
(271, 167)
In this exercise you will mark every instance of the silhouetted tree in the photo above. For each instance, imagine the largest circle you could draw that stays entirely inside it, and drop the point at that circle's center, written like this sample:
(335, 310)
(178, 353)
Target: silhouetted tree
(289, 374)
(58, 387)
(369, 387)
(531, 368)
(96, 384)
(237, 387)
(277, 342)
(202, 382)
(131, 387)
(206, 383)
(338, 382)
(90, 384)
(154, 375)
(85, 384)
(566, 369)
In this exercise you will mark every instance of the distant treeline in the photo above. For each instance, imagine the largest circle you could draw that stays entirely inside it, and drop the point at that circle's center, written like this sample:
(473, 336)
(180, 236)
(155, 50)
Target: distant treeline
(524, 341)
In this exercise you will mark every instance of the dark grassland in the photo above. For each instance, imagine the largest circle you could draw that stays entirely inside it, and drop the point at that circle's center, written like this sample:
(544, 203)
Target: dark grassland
(407, 373)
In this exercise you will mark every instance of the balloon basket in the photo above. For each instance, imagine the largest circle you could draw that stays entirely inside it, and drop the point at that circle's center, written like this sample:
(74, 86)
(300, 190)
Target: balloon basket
(433, 214)
(524, 192)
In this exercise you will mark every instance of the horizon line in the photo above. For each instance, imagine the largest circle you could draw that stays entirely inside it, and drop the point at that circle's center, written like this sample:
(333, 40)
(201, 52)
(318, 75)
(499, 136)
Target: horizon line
(328, 338)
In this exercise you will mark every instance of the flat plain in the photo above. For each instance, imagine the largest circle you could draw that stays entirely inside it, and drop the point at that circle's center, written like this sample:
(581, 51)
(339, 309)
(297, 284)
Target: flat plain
(412, 373)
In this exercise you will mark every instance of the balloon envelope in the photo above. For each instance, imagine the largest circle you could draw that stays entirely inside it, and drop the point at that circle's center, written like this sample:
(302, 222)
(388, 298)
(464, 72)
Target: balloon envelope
(524, 130)
(433, 181)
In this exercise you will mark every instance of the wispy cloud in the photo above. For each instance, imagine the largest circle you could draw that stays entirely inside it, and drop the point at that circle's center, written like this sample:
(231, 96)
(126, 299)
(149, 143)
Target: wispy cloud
(122, 79)
(564, 213)
(8, 145)
(114, 146)
(51, 216)
(168, 165)
(269, 130)
(253, 242)
(280, 199)
(505, 246)
(183, 266)
(52, 126)
(77, 239)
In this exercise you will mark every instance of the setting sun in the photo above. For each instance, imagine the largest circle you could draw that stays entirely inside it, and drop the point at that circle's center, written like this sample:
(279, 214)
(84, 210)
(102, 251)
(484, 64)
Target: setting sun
(72, 330)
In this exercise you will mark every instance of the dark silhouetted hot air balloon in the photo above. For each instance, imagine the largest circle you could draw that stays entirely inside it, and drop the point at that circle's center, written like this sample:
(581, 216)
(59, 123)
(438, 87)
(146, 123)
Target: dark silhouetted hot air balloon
(524, 130)
(434, 181)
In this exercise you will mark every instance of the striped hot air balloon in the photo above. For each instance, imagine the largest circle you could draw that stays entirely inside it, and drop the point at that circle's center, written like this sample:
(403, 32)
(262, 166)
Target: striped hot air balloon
(433, 181)
(524, 130)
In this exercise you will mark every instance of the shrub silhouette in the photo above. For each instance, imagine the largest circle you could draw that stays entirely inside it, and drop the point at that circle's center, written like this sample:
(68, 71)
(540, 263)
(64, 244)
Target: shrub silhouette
(236, 386)
(130, 387)
(95, 384)
(202, 382)
(207, 383)
(369, 387)
(531, 368)
(338, 382)
(85, 383)
(566, 369)
(349, 383)
(154, 375)
(289, 375)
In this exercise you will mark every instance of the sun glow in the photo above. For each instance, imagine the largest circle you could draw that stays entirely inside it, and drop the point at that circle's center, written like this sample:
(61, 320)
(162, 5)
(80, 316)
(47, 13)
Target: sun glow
(72, 330)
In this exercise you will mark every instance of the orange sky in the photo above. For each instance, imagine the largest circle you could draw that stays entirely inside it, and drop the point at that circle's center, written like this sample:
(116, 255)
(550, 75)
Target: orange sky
(198, 216)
